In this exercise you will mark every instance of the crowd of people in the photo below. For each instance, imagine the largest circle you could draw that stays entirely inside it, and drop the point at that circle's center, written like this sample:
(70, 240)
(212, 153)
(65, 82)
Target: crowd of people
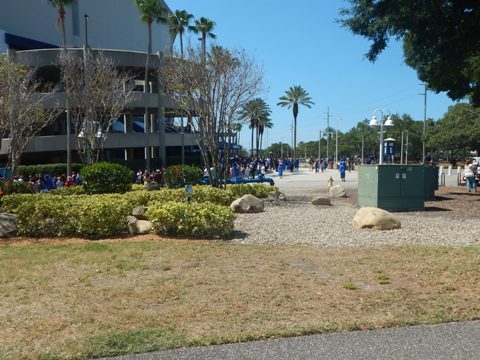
(46, 182)
(143, 177)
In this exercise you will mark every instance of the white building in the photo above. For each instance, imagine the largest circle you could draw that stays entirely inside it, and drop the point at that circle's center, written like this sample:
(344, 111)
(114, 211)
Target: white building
(30, 33)
(112, 24)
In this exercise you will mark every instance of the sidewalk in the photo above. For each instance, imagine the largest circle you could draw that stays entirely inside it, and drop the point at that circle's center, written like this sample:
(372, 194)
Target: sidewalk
(426, 342)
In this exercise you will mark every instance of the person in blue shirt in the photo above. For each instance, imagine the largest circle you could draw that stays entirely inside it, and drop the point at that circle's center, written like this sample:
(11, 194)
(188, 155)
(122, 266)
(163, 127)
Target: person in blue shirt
(341, 169)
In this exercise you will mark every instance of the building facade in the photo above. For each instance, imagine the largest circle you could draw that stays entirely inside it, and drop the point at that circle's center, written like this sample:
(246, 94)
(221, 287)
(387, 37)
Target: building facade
(32, 39)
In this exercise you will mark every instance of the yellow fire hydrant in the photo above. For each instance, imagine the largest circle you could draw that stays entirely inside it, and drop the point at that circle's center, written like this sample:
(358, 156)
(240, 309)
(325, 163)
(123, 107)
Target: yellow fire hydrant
(330, 182)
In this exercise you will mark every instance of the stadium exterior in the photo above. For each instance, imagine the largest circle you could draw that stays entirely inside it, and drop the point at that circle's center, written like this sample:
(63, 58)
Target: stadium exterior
(29, 35)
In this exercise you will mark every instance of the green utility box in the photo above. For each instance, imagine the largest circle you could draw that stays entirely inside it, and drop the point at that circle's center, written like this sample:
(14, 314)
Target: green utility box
(431, 182)
(392, 187)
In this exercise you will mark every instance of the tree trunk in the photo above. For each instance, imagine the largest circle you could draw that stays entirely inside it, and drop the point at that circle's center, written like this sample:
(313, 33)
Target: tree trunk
(257, 142)
(295, 113)
(251, 144)
(146, 91)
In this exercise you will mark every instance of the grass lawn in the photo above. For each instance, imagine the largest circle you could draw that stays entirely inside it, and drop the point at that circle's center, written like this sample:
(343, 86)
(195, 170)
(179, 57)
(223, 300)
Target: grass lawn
(90, 299)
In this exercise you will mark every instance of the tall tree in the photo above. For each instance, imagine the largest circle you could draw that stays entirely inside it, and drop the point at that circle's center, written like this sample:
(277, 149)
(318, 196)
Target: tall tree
(60, 5)
(458, 129)
(255, 112)
(178, 22)
(99, 95)
(22, 113)
(265, 123)
(150, 11)
(441, 39)
(212, 92)
(204, 26)
(294, 96)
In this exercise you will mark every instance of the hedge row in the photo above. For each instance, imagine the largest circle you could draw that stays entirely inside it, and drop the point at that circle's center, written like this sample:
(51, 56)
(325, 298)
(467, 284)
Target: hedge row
(105, 215)
(198, 220)
(63, 216)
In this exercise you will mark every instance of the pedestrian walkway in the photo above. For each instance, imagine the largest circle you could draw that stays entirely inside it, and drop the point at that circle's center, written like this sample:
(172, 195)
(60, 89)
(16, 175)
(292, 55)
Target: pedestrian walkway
(453, 341)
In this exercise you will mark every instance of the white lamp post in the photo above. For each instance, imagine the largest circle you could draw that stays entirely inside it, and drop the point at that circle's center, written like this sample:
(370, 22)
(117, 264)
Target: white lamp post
(382, 123)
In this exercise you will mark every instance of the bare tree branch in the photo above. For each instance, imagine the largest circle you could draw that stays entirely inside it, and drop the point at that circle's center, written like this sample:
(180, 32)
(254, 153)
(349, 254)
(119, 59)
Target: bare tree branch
(22, 114)
(98, 94)
(212, 92)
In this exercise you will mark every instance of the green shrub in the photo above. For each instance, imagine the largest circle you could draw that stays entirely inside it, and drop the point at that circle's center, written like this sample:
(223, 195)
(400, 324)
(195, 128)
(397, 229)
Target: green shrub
(211, 194)
(72, 190)
(104, 177)
(258, 190)
(10, 203)
(176, 176)
(196, 220)
(51, 169)
(16, 187)
(85, 216)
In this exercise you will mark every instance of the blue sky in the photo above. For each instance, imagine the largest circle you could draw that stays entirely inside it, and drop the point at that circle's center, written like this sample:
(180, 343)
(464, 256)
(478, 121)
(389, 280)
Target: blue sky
(300, 43)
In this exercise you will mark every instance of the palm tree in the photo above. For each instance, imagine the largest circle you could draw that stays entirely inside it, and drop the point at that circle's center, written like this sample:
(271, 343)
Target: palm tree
(256, 112)
(178, 22)
(150, 11)
(294, 96)
(262, 125)
(60, 4)
(204, 26)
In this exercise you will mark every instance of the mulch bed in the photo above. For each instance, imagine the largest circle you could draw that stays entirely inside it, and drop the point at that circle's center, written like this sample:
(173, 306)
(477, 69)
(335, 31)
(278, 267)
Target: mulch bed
(450, 202)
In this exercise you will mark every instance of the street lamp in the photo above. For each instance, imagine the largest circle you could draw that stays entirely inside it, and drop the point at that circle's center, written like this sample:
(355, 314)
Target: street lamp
(406, 147)
(382, 123)
(86, 29)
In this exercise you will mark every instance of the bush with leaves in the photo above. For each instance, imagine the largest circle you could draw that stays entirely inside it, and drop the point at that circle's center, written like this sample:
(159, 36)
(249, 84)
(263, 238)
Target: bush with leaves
(84, 216)
(195, 220)
(104, 177)
(258, 190)
(72, 190)
(176, 176)
(8, 187)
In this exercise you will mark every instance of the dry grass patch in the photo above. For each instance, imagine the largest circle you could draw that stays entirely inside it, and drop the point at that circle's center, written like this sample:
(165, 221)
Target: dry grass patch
(91, 299)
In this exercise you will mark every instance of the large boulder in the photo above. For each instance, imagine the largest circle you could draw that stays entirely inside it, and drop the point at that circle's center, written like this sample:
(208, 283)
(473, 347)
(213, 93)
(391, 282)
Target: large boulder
(321, 201)
(8, 227)
(375, 218)
(138, 227)
(337, 192)
(247, 204)
(139, 212)
(153, 185)
(276, 195)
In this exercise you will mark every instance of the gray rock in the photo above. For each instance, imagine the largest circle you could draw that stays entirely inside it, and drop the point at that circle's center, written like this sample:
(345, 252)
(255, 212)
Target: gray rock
(144, 227)
(8, 227)
(375, 218)
(139, 212)
(321, 201)
(276, 195)
(152, 186)
(337, 192)
(138, 227)
(247, 204)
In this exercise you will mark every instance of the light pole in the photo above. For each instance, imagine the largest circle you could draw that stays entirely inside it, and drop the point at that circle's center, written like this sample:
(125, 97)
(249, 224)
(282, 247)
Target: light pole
(406, 148)
(86, 29)
(336, 145)
(382, 123)
(424, 121)
(319, 142)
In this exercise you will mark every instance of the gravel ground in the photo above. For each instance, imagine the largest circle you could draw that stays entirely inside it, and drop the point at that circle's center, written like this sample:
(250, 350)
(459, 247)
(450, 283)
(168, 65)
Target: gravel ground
(303, 223)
